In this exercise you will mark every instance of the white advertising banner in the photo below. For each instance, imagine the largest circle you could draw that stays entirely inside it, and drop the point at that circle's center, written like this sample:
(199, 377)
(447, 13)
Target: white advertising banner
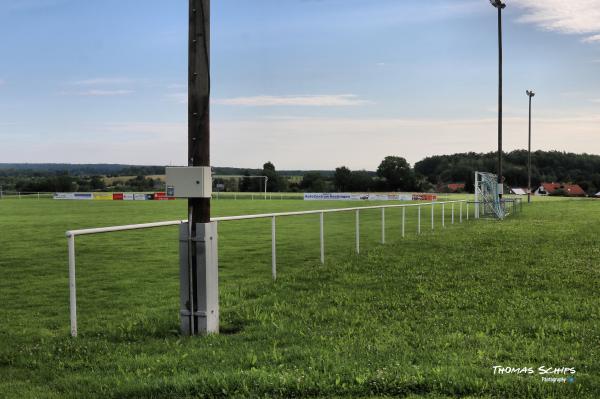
(139, 197)
(356, 197)
(327, 197)
(128, 196)
(64, 196)
(72, 196)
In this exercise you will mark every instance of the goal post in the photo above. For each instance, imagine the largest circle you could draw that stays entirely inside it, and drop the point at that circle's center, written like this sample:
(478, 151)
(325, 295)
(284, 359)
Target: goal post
(487, 196)
(241, 177)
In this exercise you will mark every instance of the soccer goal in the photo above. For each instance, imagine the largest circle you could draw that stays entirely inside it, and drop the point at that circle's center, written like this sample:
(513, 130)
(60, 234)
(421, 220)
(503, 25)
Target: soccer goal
(487, 199)
(235, 183)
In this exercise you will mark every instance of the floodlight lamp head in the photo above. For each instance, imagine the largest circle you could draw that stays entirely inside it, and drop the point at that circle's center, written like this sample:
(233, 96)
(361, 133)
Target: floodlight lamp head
(530, 93)
(498, 4)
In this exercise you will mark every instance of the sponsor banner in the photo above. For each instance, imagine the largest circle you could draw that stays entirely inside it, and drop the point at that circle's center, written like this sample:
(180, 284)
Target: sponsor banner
(83, 196)
(162, 196)
(327, 196)
(128, 196)
(118, 196)
(139, 197)
(103, 196)
(72, 196)
(368, 197)
(383, 197)
(64, 196)
(424, 197)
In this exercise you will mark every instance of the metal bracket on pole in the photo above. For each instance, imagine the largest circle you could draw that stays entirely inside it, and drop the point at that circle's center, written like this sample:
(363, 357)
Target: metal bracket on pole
(205, 291)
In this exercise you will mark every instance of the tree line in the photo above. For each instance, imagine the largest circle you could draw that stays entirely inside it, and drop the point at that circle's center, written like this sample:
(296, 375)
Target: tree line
(434, 173)
(546, 166)
(63, 182)
(393, 173)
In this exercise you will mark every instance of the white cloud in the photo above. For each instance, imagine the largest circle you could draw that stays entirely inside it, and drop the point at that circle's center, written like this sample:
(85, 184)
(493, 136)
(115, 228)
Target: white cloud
(565, 16)
(98, 93)
(363, 143)
(180, 98)
(100, 81)
(334, 100)
(301, 143)
(92, 87)
(102, 93)
(176, 86)
(146, 129)
(592, 39)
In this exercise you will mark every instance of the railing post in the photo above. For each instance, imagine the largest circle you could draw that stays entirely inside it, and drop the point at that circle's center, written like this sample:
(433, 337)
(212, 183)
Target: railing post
(467, 210)
(476, 215)
(273, 250)
(419, 221)
(432, 213)
(383, 225)
(322, 239)
(443, 215)
(403, 219)
(357, 231)
(72, 286)
(453, 213)
(460, 212)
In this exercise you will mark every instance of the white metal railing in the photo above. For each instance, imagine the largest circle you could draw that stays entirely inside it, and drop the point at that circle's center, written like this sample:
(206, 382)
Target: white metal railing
(24, 194)
(71, 234)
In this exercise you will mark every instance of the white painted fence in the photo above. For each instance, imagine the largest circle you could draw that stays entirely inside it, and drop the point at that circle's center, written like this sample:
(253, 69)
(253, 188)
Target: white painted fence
(71, 234)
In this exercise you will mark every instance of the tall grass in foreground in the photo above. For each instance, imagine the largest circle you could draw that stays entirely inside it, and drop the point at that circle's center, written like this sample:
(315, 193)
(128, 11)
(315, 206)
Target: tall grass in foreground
(423, 316)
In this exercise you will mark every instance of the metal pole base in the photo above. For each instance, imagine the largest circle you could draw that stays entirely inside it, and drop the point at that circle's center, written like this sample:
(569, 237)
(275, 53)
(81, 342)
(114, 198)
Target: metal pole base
(205, 280)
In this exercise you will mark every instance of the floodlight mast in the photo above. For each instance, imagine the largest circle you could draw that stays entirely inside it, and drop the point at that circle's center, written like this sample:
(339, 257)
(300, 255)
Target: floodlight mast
(530, 94)
(500, 6)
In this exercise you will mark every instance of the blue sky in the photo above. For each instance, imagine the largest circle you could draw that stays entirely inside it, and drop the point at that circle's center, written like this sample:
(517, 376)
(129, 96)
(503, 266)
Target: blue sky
(303, 83)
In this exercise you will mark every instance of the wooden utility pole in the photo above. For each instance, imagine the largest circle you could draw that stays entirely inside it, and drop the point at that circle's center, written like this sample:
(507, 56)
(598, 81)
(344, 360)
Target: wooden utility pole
(199, 101)
(199, 281)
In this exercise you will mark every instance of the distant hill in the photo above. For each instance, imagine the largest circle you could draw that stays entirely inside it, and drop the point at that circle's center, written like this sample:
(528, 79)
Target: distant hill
(432, 172)
(78, 169)
(25, 169)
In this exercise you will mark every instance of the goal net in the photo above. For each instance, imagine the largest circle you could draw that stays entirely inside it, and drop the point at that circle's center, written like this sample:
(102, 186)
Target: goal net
(487, 198)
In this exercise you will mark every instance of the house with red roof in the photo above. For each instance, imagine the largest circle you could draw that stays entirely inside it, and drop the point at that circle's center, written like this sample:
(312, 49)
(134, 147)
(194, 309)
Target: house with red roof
(452, 187)
(562, 189)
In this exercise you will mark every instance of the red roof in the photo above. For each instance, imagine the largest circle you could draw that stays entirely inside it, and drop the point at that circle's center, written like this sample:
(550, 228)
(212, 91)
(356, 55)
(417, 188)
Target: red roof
(569, 189)
(456, 186)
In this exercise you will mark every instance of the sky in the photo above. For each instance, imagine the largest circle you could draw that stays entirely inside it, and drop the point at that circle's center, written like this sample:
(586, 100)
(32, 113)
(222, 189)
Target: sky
(305, 84)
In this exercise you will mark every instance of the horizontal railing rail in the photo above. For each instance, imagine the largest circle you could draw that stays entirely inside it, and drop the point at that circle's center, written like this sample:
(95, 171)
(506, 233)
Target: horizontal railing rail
(71, 234)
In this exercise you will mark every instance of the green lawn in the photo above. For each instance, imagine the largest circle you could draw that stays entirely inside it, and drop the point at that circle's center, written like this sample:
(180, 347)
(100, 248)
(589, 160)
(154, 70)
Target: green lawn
(422, 316)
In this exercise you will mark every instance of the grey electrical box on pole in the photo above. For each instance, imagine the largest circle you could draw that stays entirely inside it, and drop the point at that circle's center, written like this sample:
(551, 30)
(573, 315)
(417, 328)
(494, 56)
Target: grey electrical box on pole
(199, 275)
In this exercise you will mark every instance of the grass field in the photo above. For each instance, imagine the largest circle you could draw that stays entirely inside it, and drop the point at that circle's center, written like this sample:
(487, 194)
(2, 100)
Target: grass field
(423, 316)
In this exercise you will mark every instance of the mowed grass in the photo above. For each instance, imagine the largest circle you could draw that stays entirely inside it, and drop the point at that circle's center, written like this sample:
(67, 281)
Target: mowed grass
(422, 316)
